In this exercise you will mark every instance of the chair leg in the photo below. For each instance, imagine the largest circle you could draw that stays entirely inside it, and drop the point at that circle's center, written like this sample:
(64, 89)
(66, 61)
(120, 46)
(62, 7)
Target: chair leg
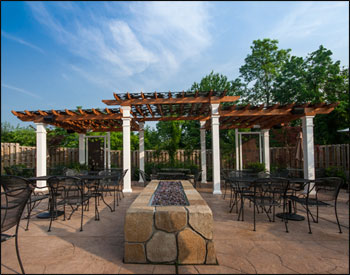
(308, 218)
(336, 216)
(17, 250)
(225, 190)
(28, 218)
(254, 216)
(284, 212)
(82, 216)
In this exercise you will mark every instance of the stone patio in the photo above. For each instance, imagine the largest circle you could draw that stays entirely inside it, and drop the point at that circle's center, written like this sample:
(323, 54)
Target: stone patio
(100, 247)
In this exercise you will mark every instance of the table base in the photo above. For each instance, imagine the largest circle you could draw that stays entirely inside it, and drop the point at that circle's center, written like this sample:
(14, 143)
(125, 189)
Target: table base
(290, 216)
(47, 215)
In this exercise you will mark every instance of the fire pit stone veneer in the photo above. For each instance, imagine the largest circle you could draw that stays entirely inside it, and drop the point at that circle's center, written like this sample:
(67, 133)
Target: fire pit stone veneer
(169, 234)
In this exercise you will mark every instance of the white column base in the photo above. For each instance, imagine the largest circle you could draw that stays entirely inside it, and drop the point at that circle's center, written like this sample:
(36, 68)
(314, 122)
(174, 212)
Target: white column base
(127, 191)
(37, 190)
(217, 192)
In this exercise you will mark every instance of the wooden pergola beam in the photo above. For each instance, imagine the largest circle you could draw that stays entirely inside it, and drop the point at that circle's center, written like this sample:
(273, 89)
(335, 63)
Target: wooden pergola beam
(172, 118)
(171, 100)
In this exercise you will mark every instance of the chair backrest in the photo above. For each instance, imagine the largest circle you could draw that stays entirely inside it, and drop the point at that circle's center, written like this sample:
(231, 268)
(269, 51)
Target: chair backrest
(65, 186)
(144, 176)
(327, 189)
(272, 186)
(14, 198)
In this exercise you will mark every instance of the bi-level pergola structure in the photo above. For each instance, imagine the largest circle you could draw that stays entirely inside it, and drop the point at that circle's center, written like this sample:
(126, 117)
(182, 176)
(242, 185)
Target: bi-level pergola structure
(214, 109)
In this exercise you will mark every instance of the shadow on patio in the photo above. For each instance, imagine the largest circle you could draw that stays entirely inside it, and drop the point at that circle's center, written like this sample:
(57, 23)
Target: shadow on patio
(99, 248)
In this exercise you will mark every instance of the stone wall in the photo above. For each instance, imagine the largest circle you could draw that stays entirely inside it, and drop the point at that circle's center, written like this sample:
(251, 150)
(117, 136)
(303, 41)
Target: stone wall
(169, 234)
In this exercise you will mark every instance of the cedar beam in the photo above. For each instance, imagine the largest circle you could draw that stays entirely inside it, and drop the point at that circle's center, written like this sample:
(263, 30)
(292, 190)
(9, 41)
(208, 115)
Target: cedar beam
(171, 100)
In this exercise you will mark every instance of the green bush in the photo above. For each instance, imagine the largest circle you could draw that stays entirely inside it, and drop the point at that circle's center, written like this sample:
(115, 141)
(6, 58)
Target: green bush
(334, 171)
(256, 167)
(19, 170)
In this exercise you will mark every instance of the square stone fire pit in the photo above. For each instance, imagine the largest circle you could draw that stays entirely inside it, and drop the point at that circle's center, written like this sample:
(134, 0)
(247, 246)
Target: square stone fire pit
(169, 234)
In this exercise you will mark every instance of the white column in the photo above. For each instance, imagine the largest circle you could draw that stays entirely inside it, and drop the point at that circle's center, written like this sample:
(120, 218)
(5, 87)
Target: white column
(126, 149)
(108, 150)
(308, 146)
(81, 148)
(40, 153)
(240, 153)
(203, 152)
(216, 147)
(266, 148)
(237, 149)
(141, 148)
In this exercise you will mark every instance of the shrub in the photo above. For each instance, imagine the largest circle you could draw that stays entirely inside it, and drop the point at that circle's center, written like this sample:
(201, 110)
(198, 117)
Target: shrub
(256, 167)
(334, 171)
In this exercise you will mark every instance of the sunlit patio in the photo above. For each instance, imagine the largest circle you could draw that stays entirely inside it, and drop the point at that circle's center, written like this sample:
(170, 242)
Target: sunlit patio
(100, 247)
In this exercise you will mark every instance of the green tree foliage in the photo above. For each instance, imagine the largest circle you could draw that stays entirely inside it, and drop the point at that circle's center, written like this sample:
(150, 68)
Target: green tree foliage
(151, 138)
(261, 69)
(25, 136)
(170, 137)
(217, 82)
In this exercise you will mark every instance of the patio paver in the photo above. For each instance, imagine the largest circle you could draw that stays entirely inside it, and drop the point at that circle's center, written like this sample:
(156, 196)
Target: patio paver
(100, 247)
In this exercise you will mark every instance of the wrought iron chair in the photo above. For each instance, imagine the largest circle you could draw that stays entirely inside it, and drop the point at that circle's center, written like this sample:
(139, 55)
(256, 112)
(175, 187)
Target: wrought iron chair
(12, 182)
(13, 202)
(111, 185)
(145, 177)
(322, 192)
(120, 184)
(267, 194)
(67, 191)
(197, 176)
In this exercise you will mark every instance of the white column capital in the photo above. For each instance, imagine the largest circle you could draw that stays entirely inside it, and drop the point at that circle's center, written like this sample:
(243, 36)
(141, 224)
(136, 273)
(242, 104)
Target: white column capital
(40, 127)
(126, 121)
(126, 111)
(202, 124)
(215, 108)
(141, 126)
(308, 121)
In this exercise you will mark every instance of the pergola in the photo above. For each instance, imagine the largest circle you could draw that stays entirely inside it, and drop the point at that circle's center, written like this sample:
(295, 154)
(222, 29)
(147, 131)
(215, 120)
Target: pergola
(214, 109)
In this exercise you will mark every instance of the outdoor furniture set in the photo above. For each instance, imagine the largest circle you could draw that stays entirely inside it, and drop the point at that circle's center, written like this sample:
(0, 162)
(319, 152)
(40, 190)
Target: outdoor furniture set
(65, 191)
(266, 192)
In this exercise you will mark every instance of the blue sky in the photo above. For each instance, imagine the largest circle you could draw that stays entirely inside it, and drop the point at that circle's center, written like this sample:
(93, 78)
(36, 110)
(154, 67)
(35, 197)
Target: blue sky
(58, 55)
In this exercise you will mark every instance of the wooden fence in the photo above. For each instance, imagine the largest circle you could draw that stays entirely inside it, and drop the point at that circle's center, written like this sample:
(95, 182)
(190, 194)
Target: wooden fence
(325, 156)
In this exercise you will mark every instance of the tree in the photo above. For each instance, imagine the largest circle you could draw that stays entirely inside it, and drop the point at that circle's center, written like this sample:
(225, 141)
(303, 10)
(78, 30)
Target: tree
(317, 78)
(261, 68)
(170, 136)
(25, 136)
(217, 82)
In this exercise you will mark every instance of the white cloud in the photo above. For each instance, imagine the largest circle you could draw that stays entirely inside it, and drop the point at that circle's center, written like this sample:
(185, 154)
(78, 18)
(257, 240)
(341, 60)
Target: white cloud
(20, 90)
(309, 19)
(21, 41)
(155, 36)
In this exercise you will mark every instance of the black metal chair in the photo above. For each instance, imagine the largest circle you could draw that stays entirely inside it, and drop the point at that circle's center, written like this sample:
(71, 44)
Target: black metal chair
(267, 194)
(322, 192)
(145, 177)
(197, 175)
(13, 202)
(67, 191)
(111, 185)
(13, 182)
(120, 184)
